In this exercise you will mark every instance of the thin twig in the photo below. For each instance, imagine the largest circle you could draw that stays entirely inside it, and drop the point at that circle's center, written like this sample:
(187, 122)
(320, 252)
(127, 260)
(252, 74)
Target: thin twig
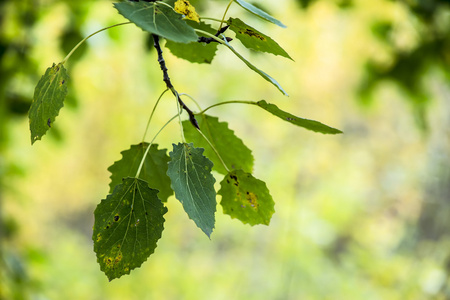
(166, 78)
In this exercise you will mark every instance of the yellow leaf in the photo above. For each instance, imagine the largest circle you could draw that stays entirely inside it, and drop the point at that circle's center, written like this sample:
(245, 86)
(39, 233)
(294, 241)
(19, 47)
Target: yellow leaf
(185, 8)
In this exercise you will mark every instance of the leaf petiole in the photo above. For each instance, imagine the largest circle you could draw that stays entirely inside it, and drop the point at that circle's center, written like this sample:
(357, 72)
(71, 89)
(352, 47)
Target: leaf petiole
(227, 102)
(225, 13)
(149, 146)
(151, 115)
(85, 39)
(193, 100)
(215, 150)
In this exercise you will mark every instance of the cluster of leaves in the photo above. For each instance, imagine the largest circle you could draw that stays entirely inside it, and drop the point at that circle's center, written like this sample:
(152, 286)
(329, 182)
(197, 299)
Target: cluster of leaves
(130, 221)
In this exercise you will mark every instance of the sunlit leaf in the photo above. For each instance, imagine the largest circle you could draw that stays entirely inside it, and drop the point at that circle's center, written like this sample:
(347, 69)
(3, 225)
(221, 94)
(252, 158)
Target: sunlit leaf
(261, 73)
(153, 170)
(48, 99)
(195, 52)
(260, 13)
(159, 19)
(246, 198)
(254, 39)
(185, 8)
(231, 148)
(128, 224)
(193, 183)
(305, 123)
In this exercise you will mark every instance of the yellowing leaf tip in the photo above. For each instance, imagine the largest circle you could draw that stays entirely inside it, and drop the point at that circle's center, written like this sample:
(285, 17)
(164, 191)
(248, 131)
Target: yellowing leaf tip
(185, 8)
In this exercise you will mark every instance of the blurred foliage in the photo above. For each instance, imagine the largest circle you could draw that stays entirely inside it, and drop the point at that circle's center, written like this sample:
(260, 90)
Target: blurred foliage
(408, 64)
(360, 216)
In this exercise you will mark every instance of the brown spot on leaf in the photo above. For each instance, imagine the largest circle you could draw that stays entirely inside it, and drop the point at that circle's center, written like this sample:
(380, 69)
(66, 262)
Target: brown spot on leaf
(251, 33)
(252, 199)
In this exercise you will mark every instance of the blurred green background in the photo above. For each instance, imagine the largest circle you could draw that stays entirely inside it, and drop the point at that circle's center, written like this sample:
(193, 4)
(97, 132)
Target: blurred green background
(364, 215)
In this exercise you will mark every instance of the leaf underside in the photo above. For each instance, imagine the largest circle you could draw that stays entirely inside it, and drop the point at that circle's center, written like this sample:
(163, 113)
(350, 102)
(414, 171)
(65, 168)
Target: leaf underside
(254, 39)
(246, 198)
(258, 12)
(231, 148)
(158, 19)
(193, 183)
(261, 73)
(153, 170)
(305, 123)
(195, 52)
(48, 99)
(128, 224)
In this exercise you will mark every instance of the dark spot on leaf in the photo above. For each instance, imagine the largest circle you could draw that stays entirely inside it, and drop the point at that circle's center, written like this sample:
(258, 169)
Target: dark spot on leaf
(107, 227)
(251, 33)
(62, 82)
(49, 123)
(116, 218)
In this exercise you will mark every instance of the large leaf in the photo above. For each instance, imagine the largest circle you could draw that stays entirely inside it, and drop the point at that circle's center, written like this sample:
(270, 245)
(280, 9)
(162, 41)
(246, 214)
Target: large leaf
(260, 13)
(254, 39)
(246, 198)
(195, 52)
(231, 148)
(193, 183)
(48, 99)
(159, 19)
(153, 170)
(261, 73)
(128, 224)
(305, 123)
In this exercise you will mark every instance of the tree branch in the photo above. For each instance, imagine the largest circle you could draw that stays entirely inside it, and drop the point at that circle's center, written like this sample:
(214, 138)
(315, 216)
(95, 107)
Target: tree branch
(208, 40)
(166, 78)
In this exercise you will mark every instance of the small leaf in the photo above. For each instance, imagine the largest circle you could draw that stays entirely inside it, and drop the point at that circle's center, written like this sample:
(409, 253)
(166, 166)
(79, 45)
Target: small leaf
(48, 99)
(261, 73)
(128, 224)
(185, 8)
(254, 10)
(158, 19)
(231, 148)
(193, 183)
(254, 39)
(246, 198)
(305, 123)
(195, 52)
(153, 171)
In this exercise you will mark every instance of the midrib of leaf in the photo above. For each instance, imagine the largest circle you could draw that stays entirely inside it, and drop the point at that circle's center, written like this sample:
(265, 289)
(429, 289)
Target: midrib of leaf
(146, 219)
(187, 177)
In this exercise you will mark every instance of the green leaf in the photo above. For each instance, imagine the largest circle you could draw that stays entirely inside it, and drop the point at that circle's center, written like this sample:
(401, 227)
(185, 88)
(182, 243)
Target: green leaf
(262, 14)
(159, 19)
(48, 99)
(153, 170)
(193, 183)
(261, 73)
(231, 148)
(128, 224)
(254, 39)
(195, 52)
(305, 123)
(246, 198)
